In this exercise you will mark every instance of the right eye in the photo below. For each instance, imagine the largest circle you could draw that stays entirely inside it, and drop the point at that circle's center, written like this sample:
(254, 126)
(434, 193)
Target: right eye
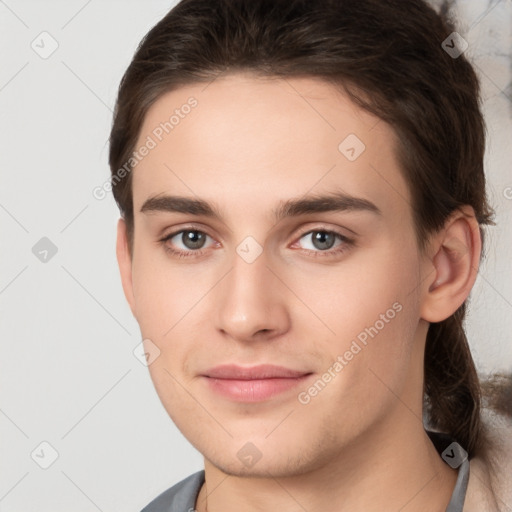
(191, 240)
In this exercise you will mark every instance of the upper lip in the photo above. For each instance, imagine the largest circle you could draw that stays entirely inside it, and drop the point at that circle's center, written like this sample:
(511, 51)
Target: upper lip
(262, 371)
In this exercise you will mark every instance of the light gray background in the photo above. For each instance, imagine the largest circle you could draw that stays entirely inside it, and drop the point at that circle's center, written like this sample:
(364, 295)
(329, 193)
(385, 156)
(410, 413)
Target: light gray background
(68, 375)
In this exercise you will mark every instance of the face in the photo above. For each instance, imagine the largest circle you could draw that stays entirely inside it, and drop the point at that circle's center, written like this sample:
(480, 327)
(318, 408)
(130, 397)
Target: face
(282, 326)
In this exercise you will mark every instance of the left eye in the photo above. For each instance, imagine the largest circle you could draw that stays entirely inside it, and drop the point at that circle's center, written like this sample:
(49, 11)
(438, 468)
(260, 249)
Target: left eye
(323, 240)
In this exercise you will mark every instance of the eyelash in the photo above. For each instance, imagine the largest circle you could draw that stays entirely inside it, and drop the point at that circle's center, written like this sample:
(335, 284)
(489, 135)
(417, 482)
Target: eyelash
(346, 245)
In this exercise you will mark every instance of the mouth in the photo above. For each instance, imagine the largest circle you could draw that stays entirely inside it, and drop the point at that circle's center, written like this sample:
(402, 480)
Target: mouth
(253, 384)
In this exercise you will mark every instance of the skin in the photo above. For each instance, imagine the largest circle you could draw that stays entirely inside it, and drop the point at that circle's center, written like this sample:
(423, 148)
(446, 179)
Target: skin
(251, 143)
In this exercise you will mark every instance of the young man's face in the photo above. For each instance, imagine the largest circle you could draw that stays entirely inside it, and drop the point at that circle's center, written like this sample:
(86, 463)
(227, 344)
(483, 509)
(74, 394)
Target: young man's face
(330, 299)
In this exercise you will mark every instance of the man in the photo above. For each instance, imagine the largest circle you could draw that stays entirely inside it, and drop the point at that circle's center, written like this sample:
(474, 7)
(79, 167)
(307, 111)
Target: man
(297, 249)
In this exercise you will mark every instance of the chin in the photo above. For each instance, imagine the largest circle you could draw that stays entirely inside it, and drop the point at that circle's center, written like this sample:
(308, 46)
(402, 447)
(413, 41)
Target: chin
(264, 458)
(274, 467)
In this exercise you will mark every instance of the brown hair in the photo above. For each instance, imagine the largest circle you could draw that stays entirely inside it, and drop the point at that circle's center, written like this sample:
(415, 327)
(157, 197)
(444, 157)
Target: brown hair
(388, 56)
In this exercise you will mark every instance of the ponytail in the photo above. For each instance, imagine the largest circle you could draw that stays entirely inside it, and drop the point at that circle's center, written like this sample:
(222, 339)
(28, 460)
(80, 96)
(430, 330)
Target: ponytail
(452, 388)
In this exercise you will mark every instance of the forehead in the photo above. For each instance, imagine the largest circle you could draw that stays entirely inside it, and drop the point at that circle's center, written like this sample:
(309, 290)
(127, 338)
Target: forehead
(251, 141)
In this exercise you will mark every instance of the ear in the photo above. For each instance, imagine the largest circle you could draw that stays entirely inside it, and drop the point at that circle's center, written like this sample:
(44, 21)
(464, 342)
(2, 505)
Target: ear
(124, 260)
(453, 268)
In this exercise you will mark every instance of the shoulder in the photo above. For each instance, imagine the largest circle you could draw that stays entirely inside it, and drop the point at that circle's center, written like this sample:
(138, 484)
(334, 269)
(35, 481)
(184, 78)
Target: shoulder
(181, 497)
(490, 478)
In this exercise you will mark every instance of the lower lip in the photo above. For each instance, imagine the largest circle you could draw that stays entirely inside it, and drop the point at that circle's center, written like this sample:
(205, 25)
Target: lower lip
(256, 390)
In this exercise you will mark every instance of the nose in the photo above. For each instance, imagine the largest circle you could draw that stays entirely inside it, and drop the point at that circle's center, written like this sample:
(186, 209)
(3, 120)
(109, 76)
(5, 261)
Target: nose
(251, 302)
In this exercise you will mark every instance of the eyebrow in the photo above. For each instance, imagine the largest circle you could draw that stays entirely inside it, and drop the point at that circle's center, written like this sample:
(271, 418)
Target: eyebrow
(334, 202)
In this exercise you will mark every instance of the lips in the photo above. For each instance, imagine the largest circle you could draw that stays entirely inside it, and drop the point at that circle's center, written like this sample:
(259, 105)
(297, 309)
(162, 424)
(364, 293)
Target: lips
(263, 371)
(253, 384)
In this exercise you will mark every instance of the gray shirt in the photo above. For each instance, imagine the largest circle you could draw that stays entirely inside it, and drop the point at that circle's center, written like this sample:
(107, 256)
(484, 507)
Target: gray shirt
(182, 496)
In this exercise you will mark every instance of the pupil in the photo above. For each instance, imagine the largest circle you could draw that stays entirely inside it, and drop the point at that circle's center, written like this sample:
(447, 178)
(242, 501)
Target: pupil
(323, 240)
(193, 239)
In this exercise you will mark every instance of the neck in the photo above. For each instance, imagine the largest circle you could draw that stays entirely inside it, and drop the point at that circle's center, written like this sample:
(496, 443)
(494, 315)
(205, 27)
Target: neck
(388, 469)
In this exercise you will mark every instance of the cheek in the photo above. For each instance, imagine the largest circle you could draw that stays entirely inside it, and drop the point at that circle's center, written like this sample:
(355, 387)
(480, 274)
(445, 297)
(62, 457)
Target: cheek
(352, 295)
(166, 299)
(371, 307)
(164, 294)
(170, 309)
(365, 367)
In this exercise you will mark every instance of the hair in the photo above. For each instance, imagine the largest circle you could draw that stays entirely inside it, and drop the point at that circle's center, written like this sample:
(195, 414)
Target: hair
(388, 57)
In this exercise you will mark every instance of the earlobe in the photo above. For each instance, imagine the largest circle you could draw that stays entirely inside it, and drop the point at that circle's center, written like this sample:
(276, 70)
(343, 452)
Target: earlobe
(124, 260)
(454, 267)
